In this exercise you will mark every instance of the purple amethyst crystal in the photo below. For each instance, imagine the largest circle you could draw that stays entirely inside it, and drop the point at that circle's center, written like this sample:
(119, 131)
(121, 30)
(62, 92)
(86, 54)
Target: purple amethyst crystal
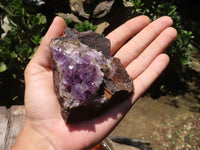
(86, 77)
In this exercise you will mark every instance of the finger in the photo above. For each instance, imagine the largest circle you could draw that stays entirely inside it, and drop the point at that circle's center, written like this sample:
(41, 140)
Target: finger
(143, 82)
(157, 47)
(42, 55)
(120, 35)
(55, 30)
(137, 44)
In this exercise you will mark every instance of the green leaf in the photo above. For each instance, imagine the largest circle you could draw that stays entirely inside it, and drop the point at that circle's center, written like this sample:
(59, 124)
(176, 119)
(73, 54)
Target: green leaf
(3, 67)
(14, 98)
(67, 21)
(7, 11)
(36, 39)
(86, 23)
(14, 76)
(34, 50)
(85, 26)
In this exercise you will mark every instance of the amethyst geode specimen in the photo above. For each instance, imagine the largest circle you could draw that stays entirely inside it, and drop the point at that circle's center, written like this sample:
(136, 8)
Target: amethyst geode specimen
(86, 78)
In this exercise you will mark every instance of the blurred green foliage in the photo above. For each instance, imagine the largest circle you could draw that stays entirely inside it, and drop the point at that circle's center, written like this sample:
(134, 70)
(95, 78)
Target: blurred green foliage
(24, 36)
(85, 26)
(81, 27)
(19, 43)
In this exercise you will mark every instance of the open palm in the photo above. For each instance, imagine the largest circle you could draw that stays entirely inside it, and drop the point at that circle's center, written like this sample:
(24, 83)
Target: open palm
(143, 58)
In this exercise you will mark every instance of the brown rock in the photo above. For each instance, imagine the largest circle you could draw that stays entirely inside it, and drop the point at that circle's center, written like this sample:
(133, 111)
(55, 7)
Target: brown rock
(91, 8)
(87, 78)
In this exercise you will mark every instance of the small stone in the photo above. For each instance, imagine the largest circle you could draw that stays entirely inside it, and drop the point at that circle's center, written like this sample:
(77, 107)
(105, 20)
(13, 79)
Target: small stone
(103, 8)
(91, 8)
(86, 77)
(101, 27)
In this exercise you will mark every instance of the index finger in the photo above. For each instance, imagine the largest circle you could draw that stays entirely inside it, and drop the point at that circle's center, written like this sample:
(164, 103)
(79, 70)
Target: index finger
(123, 33)
(42, 55)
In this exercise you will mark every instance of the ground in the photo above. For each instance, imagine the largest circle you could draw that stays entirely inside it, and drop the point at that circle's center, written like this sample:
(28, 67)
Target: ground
(169, 122)
(165, 124)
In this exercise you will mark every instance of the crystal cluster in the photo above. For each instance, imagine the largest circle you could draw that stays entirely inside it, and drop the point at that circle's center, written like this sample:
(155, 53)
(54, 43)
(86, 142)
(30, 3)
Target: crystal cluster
(86, 77)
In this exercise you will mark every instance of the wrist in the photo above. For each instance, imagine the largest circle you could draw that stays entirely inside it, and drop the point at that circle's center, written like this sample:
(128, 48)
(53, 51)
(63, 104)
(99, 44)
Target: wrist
(31, 139)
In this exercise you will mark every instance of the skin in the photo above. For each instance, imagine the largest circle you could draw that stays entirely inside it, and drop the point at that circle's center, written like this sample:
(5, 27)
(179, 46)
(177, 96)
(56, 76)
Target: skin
(143, 58)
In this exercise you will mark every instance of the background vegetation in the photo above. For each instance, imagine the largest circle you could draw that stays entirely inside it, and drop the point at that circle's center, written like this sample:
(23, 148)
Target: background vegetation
(28, 24)
(17, 47)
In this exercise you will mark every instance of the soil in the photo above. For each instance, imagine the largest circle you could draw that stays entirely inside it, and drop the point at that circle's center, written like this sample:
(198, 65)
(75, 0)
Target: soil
(169, 122)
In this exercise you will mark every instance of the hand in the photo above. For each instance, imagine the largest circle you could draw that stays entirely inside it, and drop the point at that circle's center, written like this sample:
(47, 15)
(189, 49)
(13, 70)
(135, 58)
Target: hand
(142, 56)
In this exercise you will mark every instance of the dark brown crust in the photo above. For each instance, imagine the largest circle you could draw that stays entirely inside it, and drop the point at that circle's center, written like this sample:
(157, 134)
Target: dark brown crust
(91, 39)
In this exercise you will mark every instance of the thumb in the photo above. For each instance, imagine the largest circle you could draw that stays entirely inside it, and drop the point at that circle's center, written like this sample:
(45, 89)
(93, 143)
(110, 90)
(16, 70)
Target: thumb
(42, 56)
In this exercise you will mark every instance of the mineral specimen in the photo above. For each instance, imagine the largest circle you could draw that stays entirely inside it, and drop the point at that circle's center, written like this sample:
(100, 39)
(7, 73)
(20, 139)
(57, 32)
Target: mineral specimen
(86, 77)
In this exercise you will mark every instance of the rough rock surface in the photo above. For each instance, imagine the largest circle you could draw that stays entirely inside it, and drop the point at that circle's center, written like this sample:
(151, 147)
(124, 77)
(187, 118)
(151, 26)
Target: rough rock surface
(97, 9)
(86, 77)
